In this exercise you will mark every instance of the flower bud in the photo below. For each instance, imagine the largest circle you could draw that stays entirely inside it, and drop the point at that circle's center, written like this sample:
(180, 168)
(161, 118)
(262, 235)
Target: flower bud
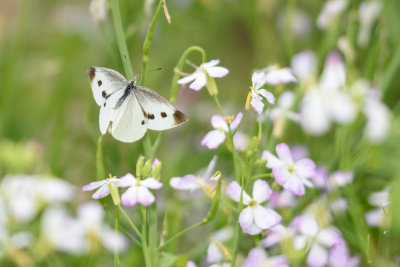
(211, 86)
(114, 193)
(147, 169)
(139, 166)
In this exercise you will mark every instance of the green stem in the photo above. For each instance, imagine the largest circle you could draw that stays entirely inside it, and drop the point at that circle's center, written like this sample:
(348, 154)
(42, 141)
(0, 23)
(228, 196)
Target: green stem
(179, 67)
(145, 248)
(116, 254)
(129, 235)
(119, 32)
(148, 41)
(236, 237)
(100, 172)
(130, 222)
(190, 228)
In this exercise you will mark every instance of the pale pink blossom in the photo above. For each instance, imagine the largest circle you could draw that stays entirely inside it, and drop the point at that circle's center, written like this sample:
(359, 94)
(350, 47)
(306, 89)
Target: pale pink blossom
(101, 186)
(138, 191)
(292, 175)
(254, 218)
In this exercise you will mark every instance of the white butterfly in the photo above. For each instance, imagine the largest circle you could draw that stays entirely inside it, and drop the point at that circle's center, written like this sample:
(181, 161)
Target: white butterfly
(127, 110)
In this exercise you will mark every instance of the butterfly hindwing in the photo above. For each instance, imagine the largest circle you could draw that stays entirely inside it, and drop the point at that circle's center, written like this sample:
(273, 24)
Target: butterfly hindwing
(160, 114)
(128, 123)
(104, 83)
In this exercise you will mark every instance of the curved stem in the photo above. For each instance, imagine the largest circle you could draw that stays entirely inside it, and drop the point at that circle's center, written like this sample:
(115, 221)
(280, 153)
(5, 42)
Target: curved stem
(100, 172)
(179, 67)
(190, 228)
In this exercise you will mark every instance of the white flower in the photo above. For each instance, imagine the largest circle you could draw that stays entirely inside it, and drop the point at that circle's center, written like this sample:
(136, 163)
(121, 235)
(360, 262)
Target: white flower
(191, 182)
(199, 77)
(378, 216)
(215, 137)
(138, 190)
(257, 93)
(91, 216)
(327, 102)
(103, 187)
(98, 10)
(62, 231)
(254, 218)
(330, 12)
(303, 65)
(258, 257)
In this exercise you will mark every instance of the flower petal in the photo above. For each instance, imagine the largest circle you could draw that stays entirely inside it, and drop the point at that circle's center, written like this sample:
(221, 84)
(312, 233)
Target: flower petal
(268, 95)
(235, 123)
(93, 185)
(213, 139)
(295, 185)
(187, 79)
(317, 257)
(127, 180)
(218, 122)
(101, 192)
(217, 72)
(214, 254)
(187, 182)
(265, 218)
(144, 196)
(199, 82)
(255, 258)
(281, 175)
(329, 236)
(129, 197)
(151, 183)
(272, 161)
(305, 168)
(256, 103)
(246, 217)
(234, 190)
(283, 152)
(252, 230)
(210, 64)
(261, 191)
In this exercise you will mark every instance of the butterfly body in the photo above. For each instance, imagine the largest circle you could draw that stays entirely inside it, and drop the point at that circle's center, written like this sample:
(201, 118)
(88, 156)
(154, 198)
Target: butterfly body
(128, 110)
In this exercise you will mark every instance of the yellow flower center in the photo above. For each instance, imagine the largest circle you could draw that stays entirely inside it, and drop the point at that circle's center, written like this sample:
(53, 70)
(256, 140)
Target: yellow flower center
(253, 203)
(292, 169)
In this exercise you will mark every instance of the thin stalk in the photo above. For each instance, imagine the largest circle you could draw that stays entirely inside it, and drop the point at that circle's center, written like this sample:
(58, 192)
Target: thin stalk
(131, 223)
(145, 248)
(130, 236)
(116, 254)
(100, 172)
(390, 74)
(190, 228)
(119, 32)
(148, 41)
(236, 237)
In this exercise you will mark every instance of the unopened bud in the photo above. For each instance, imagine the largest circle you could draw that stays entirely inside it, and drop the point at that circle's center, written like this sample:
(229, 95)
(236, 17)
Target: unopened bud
(139, 166)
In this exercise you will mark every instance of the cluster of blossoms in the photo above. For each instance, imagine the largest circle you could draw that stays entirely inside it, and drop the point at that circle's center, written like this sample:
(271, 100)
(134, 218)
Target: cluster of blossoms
(25, 198)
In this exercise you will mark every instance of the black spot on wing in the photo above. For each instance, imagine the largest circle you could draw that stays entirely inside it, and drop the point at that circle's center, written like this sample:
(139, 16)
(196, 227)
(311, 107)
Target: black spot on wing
(163, 114)
(104, 94)
(150, 116)
(91, 73)
(179, 117)
(99, 82)
(142, 122)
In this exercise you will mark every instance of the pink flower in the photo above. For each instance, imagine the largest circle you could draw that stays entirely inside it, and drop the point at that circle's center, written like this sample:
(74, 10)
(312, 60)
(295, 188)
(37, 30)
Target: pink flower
(254, 218)
(292, 175)
(258, 257)
(103, 187)
(216, 137)
(138, 190)
(199, 77)
(318, 240)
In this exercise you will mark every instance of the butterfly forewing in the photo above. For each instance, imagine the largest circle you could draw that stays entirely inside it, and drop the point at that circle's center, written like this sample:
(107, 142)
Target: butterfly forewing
(129, 123)
(104, 83)
(160, 114)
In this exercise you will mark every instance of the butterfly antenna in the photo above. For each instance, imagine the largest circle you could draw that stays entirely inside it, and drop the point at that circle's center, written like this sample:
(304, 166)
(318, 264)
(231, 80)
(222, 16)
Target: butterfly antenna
(138, 76)
(159, 68)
